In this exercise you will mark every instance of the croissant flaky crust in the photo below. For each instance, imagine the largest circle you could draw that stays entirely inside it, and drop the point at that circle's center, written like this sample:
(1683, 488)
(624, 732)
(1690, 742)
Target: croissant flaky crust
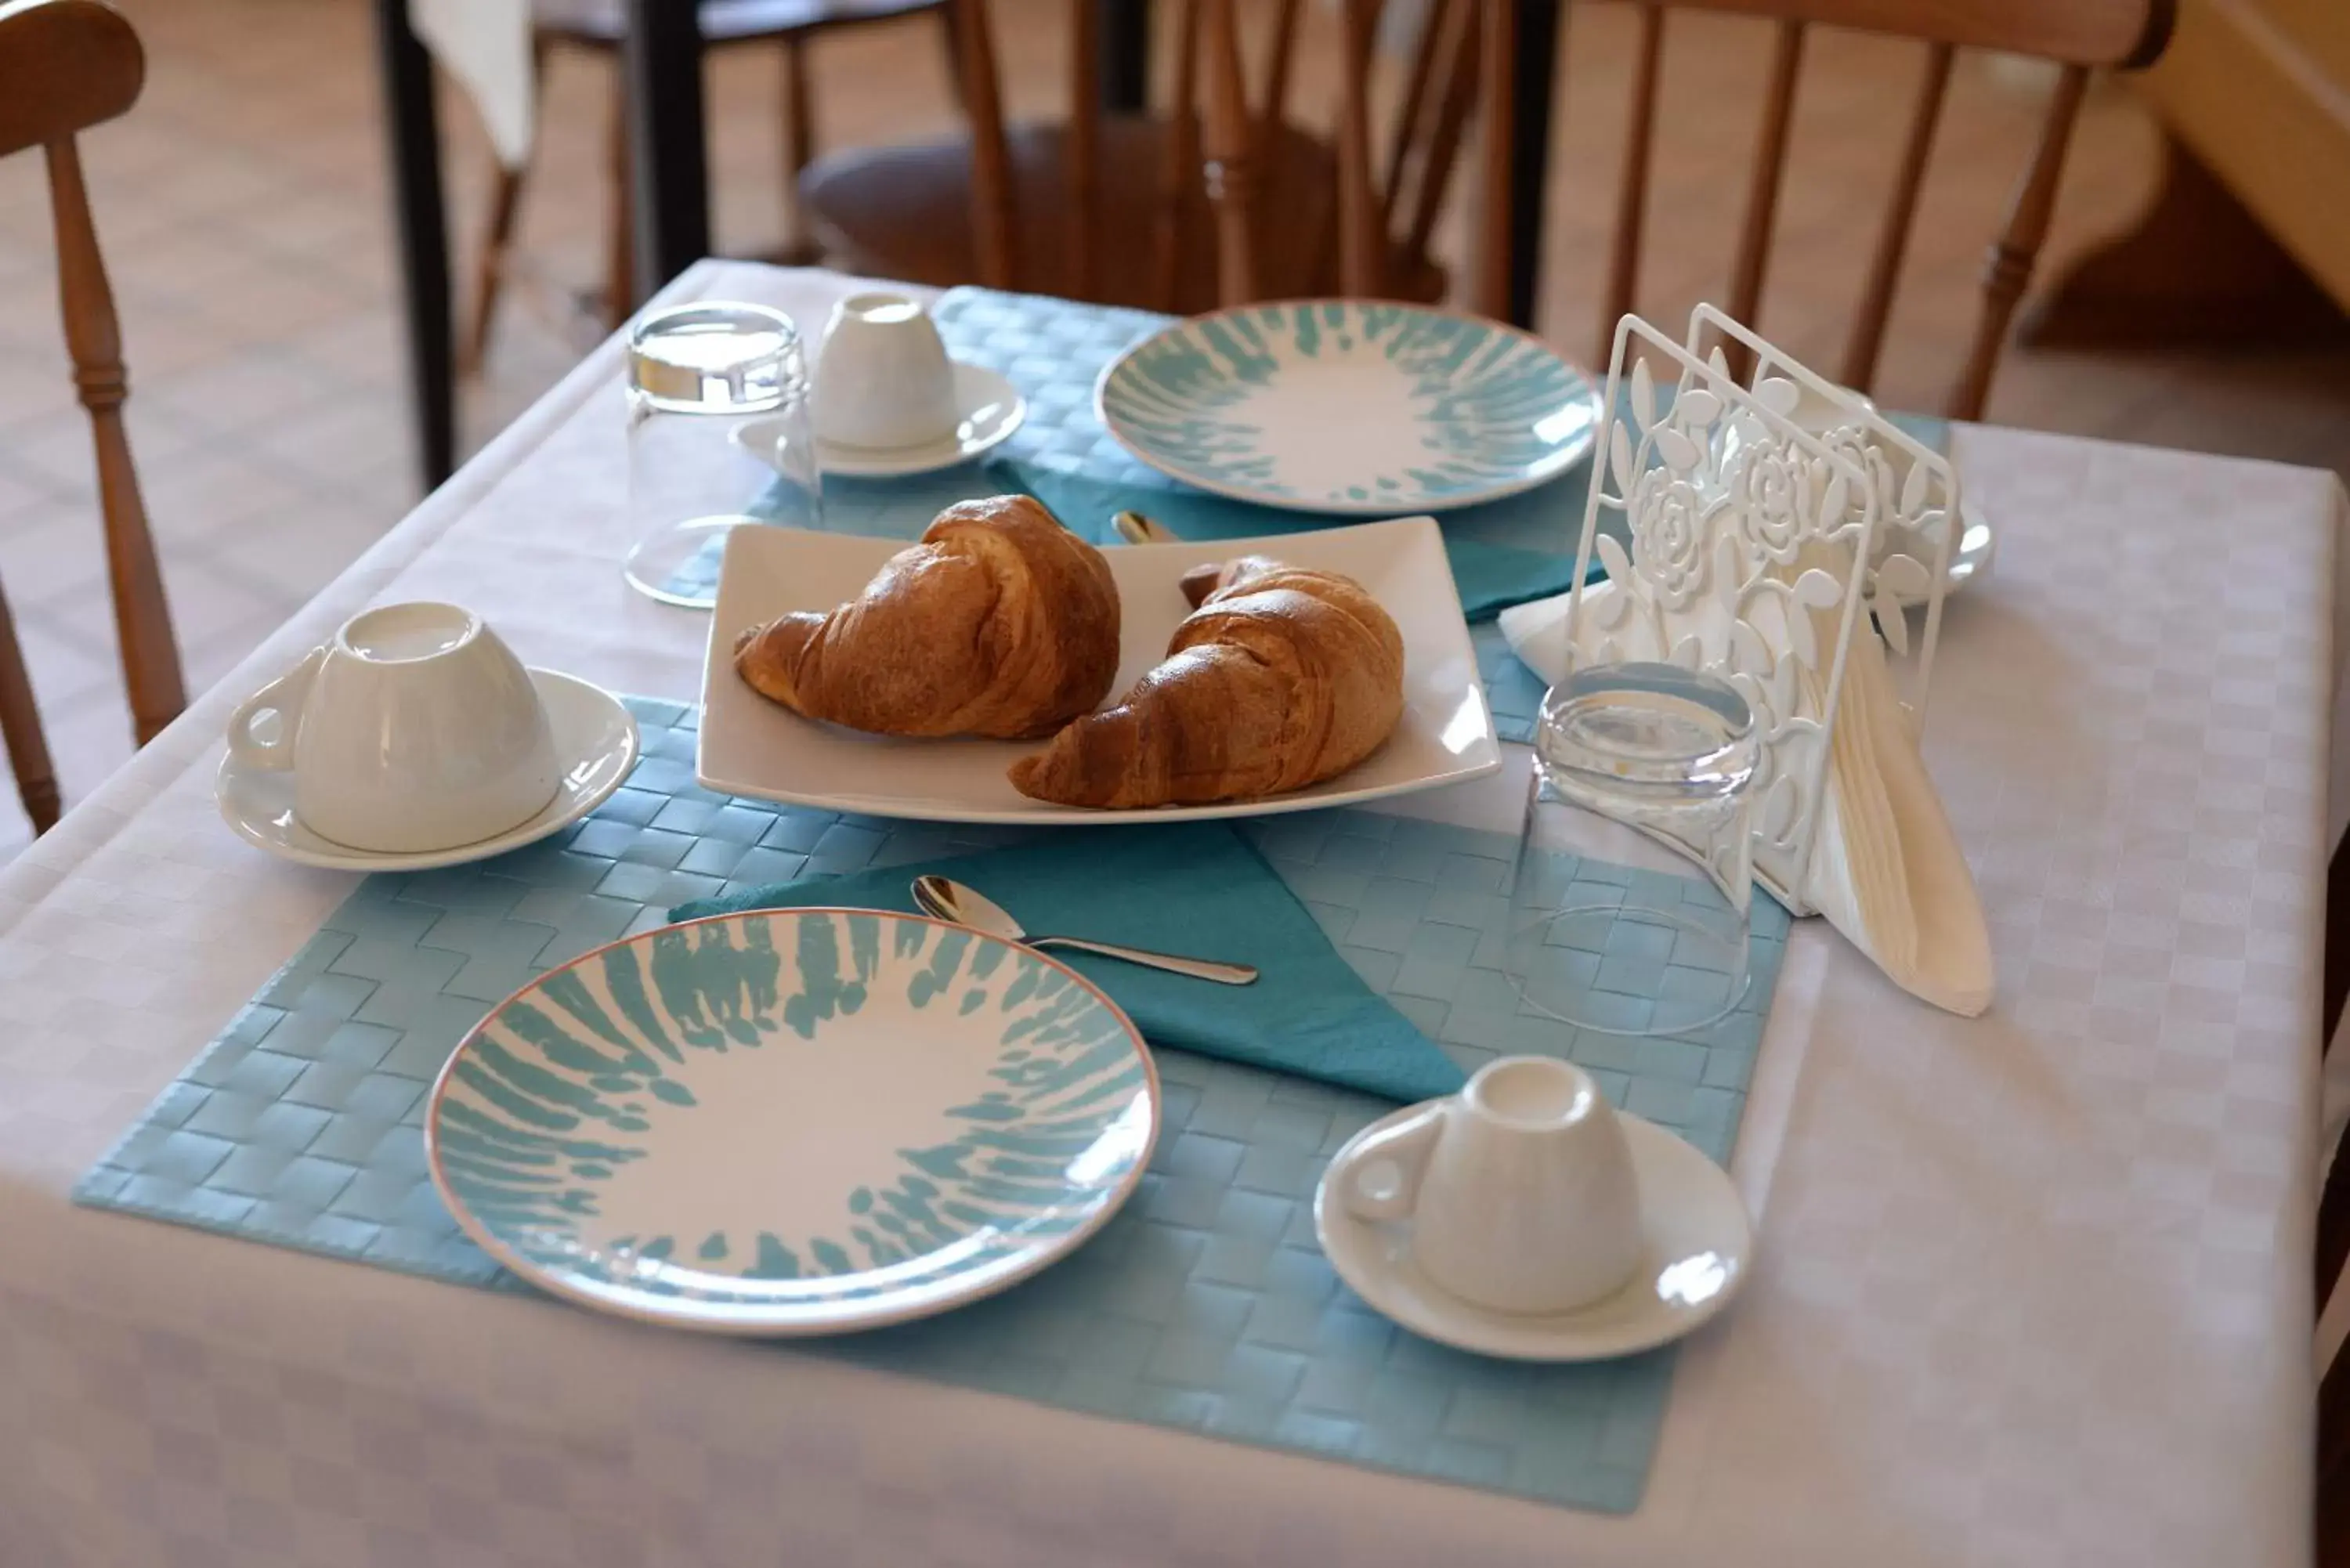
(1281, 678)
(1000, 623)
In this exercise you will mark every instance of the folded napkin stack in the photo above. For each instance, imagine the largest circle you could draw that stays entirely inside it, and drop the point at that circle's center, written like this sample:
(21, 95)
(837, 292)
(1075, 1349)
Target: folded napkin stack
(1886, 869)
(1194, 888)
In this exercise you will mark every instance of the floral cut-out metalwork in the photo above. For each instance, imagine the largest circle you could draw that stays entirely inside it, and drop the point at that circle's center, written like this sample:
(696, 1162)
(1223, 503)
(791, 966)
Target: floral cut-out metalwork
(1754, 528)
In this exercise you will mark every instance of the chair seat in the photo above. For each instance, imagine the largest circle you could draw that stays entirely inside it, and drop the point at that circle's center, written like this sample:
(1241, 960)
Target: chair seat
(906, 212)
(604, 22)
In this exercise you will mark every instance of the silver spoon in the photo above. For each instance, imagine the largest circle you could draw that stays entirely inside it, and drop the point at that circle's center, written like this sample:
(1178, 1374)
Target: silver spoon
(1136, 529)
(950, 901)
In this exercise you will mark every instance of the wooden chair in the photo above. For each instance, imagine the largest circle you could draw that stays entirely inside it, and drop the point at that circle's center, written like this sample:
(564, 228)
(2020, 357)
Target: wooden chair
(65, 66)
(1219, 199)
(2079, 35)
(2333, 1244)
(600, 27)
(2333, 1521)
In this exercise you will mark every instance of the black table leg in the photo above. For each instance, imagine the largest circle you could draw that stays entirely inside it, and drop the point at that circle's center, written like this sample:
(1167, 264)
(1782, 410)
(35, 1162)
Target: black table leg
(1534, 73)
(414, 130)
(667, 143)
(1124, 55)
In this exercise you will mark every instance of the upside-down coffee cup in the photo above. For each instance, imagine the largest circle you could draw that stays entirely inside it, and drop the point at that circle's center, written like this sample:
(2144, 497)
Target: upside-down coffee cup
(413, 729)
(883, 379)
(1519, 1188)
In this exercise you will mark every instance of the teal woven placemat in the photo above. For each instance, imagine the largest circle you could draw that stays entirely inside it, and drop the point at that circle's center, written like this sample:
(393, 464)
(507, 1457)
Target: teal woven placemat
(1204, 1305)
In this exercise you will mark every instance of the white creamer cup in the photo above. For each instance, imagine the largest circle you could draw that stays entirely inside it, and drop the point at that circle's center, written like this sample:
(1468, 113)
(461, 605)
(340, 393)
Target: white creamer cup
(1519, 1188)
(414, 729)
(883, 379)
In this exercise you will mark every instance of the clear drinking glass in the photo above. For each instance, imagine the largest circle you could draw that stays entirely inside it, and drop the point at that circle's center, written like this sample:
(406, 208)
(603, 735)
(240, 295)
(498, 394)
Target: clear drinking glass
(1629, 908)
(718, 434)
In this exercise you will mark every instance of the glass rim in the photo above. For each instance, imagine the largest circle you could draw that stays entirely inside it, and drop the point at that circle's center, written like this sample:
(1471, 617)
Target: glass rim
(1718, 749)
(647, 324)
(676, 381)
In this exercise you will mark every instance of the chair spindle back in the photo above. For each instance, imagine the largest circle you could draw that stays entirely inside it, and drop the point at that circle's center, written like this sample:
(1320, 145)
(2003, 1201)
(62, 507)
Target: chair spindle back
(2079, 35)
(1221, 141)
(66, 66)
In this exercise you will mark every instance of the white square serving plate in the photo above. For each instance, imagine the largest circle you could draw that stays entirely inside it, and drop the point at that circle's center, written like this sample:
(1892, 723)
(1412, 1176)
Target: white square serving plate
(751, 746)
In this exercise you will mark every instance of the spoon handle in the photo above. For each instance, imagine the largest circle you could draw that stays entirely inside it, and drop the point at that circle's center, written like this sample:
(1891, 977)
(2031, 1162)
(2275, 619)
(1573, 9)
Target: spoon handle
(1136, 529)
(1198, 968)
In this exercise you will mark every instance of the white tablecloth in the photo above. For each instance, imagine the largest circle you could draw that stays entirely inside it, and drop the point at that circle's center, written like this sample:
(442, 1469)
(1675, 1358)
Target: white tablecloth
(2034, 1289)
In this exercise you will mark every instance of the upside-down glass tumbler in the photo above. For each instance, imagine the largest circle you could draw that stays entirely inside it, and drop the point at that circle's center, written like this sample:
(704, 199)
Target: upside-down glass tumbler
(1628, 908)
(718, 435)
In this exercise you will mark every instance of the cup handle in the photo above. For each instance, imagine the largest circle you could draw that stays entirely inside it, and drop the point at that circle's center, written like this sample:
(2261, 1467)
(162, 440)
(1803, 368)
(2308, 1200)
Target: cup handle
(282, 697)
(1406, 1146)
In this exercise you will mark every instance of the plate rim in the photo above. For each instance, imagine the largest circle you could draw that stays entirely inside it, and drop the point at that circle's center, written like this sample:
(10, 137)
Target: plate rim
(905, 809)
(1566, 457)
(529, 832)
(1044, 1257)
(1666, 1328)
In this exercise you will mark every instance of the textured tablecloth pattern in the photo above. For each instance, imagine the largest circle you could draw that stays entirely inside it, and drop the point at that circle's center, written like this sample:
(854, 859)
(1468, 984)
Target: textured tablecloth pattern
(2034, 1288)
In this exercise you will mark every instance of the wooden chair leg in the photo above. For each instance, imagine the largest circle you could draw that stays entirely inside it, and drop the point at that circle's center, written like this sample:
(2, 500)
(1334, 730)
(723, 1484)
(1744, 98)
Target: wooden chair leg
(20, 728)
(489, 274)
(2008, 267)
(2333, 1227)
(799, 248)
(1179, 173)
(950, 40)
(1495, 244)
(143, 619)
(2333, 1521)
(1232, 177)
(620, 251)
(1764, 181)
(2335, 992)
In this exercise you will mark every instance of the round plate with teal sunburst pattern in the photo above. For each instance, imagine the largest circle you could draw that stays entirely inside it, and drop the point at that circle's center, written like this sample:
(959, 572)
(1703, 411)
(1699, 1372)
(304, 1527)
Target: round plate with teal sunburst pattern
(793, 1122)
(1349, 406)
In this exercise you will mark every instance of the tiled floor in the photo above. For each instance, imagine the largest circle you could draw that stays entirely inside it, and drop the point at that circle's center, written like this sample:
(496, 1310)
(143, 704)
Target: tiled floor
(242, 209)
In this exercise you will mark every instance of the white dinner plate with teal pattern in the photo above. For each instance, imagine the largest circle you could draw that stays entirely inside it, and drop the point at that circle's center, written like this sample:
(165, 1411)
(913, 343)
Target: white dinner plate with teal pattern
(793, 1121)
(1349, 406)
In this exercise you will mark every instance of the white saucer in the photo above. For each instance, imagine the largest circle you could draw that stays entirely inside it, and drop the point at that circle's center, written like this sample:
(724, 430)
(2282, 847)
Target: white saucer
(987, 408)
(1699, 1250)
(595, 735)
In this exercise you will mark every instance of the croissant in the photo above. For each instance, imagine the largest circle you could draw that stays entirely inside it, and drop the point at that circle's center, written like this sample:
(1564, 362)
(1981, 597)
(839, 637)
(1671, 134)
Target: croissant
(1281, 678)
(1000, 623)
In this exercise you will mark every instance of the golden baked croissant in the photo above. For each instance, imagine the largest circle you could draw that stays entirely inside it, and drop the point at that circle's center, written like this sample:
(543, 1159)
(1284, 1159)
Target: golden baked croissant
(1280, 679)
(1000, 623)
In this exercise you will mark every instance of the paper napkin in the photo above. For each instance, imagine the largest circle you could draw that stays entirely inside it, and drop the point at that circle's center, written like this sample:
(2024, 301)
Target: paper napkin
(1886, 868)
(1194, 888)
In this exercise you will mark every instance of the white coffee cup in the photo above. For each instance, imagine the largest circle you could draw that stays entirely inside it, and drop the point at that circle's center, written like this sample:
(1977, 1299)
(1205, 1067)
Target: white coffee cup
(415, 729)
(1520, 1189)
(883, 379)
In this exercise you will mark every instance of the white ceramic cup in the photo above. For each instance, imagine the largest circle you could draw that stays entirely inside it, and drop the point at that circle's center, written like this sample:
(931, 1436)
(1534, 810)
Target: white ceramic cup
(883, 379)
(415, 729)
(1520, 1189)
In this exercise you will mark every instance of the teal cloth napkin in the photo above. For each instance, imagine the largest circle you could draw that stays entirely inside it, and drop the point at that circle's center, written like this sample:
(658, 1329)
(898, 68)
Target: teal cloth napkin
(1490, 575)
(1195, 889)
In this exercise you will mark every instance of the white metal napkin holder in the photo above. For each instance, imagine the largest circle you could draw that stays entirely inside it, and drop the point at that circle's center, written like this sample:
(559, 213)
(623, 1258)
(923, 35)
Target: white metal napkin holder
(1745, 509)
